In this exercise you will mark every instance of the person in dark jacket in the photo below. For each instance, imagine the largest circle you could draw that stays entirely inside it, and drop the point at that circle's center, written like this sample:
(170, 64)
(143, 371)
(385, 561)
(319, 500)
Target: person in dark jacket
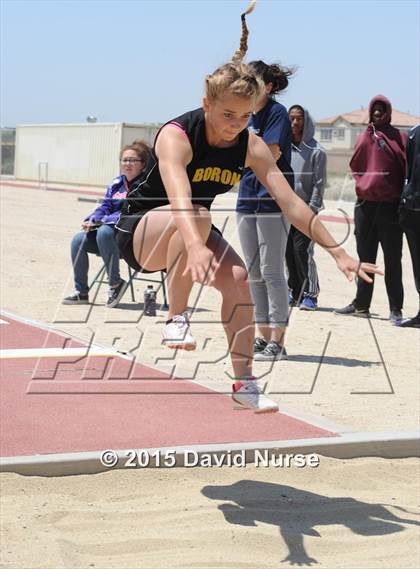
(410, 213)
(378, 167)
(98, 235)
(309, 163)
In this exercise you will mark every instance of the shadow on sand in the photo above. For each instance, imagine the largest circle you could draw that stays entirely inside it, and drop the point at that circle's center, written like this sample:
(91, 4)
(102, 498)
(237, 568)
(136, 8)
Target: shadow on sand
(297, 512)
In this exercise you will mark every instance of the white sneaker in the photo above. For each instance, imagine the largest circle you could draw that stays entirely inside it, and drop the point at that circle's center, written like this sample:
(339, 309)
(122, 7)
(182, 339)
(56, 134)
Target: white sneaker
(177, 333)
(250, 396)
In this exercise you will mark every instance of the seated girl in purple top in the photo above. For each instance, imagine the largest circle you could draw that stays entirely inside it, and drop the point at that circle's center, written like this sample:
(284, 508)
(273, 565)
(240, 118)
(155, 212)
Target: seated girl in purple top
(98, 235)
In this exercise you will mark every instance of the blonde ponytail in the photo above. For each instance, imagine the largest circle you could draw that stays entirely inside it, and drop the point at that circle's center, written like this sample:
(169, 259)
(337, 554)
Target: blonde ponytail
(235, 77)
(240, 53)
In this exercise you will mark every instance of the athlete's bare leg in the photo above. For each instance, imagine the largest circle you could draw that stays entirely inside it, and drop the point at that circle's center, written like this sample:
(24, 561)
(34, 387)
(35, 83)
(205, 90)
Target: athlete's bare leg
(237, 306)
(157, 244)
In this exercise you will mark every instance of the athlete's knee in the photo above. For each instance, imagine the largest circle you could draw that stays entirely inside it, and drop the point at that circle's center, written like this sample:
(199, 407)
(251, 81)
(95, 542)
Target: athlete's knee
(240, 286)
(234, 281)
(240, 277)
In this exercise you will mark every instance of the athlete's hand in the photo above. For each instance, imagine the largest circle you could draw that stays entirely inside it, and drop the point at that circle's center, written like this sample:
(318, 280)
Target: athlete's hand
(348, 265)
(201, 264)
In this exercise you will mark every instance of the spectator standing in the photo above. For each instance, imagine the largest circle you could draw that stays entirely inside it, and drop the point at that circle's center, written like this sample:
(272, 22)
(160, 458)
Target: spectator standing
(263, 229)
(309, 163)
(410, 213)
(378, 167)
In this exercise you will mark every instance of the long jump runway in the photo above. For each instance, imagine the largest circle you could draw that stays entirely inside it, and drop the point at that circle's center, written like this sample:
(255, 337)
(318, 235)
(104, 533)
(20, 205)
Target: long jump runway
(63, 402)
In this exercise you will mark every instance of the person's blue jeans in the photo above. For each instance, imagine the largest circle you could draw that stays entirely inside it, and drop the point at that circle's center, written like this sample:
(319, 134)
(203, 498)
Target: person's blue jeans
(100, 242)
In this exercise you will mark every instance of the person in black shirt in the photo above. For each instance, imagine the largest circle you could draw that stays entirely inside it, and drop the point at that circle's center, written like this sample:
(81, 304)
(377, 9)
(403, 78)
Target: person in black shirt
(166, 222)
(410, 214)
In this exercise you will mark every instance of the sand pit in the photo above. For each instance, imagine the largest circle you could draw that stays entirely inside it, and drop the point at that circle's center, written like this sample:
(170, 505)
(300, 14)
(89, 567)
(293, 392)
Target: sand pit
(361, 513)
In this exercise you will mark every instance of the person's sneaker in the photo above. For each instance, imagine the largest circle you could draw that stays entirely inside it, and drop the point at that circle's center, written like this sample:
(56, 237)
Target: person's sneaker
(177, 333)
(272, 352)
(409, 322)
(259, 345)
(115, 294)
(351, 309)
(308, 303)
(395, 316)
(248, 395)
(77, 298)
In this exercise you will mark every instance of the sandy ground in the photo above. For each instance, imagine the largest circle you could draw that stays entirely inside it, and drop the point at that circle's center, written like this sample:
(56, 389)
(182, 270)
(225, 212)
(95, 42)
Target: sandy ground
(362, 514)
(363, 510)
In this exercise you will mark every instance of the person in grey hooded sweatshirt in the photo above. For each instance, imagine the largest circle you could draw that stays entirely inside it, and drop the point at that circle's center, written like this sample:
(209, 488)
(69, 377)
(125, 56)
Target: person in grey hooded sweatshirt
(309, 164)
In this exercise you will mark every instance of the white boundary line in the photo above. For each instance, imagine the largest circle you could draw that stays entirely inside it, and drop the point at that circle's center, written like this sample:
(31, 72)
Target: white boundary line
(385, 445)
(109, 351)
(54, 352)
(85, 350)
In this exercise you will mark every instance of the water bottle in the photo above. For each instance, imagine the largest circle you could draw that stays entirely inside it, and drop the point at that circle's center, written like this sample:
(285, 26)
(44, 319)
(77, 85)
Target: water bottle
(150, 301)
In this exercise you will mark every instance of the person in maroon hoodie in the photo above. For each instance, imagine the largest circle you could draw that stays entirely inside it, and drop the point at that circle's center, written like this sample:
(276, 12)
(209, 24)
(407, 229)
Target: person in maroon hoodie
(378, 167)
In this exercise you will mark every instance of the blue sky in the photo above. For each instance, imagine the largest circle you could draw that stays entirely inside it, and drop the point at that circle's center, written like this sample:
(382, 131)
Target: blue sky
(145, 61)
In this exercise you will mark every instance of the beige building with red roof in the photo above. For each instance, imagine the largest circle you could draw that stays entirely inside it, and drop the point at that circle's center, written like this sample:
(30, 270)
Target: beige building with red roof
(340, 132)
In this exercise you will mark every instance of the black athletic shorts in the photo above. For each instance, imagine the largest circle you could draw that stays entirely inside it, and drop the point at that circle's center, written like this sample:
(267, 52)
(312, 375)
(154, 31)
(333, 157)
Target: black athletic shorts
(124, 239)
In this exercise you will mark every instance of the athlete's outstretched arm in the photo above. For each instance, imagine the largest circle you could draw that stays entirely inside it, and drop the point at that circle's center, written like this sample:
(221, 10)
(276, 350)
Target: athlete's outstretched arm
(260, 160)
(174, 152)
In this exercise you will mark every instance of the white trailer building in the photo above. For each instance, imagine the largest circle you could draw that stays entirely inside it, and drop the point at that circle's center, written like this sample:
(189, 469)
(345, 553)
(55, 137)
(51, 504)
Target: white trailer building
(85, 154)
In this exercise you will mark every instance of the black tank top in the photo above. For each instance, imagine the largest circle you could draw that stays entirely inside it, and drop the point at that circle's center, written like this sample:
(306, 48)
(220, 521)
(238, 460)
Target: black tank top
(212, 171)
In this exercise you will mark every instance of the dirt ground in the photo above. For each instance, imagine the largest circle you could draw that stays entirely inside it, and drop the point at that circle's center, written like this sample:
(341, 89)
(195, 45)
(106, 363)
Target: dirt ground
(359, 513)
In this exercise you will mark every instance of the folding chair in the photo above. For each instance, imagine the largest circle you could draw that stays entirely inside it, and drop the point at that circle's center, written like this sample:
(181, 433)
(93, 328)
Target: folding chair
(133, 276)
(101, 278)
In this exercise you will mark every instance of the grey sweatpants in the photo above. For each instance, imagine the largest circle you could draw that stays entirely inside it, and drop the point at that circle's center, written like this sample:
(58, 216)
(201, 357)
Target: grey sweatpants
(263, 239)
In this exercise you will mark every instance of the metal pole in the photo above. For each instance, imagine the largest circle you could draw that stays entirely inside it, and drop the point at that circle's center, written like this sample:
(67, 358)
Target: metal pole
(43, 175)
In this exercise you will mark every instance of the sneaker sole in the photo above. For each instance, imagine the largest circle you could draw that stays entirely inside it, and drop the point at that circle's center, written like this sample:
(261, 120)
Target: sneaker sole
(239, 407)
(179, 345)
(307, 308)
(275, 359)
(71, 302)
(270, 410)
(359, 314)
